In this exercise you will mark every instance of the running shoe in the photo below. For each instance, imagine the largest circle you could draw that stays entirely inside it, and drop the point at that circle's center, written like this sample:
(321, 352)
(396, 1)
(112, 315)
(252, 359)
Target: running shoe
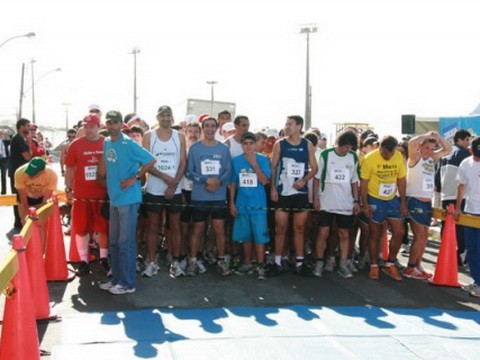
(223, 268)
(304, 270)
(469, 287)
(192, 267)
(330, 265)
(201, 266)
(245, 270)
(261, 273)
(475, 291)
(351, 267)
(106, 285)
(83, 269)
(176, 269)
(318, 270)
(150, 270)
(345, 272)
(120, 290)
(374, 273)
(392, 272)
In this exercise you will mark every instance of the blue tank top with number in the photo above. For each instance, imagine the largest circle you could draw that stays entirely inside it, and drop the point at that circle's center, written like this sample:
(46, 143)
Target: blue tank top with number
(293, 166)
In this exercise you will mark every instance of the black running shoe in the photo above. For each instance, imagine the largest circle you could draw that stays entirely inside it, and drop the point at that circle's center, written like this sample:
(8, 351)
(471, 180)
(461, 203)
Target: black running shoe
(83, 269)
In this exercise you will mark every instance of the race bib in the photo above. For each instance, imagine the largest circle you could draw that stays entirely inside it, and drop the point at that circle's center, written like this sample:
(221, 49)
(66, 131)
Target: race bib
(387, 190)
(428, 183)
(339, 175)
(295, 170)
(166, 166)
(210, 167)
(248, 180)
(90, 172)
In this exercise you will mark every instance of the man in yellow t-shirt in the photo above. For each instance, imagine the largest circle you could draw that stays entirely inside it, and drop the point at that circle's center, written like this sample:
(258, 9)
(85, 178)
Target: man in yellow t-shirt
(383, 188)
(35, 184)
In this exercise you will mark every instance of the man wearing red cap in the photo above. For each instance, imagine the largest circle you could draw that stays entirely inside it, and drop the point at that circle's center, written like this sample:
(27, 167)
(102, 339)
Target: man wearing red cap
(81, 183)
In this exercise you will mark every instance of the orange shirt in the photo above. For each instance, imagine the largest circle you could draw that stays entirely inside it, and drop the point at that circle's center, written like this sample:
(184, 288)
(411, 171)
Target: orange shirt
(36, 186)
(84, 156)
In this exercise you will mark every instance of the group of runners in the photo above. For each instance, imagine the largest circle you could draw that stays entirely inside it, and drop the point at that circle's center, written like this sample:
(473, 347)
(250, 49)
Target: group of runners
(262, 198)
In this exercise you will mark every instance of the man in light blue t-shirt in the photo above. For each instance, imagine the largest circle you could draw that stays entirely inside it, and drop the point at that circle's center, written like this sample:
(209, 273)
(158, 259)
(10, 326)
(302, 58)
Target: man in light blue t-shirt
(209, 167)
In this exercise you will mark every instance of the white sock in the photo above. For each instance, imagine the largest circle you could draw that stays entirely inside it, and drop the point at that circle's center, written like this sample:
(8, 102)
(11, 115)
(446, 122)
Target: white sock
(278, 260)
(82, 247)
(103, 253)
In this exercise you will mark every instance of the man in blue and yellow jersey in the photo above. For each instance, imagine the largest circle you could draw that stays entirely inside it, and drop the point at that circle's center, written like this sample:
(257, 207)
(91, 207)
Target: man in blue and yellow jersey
(383, 188)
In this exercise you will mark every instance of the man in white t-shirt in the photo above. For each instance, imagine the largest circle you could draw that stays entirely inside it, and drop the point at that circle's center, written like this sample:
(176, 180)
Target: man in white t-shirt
(335, 189)
(468, 177)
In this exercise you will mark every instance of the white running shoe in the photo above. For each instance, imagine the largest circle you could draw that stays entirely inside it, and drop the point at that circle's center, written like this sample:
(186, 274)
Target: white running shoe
(106, 286)
(150, 270)
(120, 290)
(176, 269)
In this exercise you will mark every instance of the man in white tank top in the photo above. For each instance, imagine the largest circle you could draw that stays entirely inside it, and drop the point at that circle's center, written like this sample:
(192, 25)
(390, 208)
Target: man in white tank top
(423, 151)
(162, 188)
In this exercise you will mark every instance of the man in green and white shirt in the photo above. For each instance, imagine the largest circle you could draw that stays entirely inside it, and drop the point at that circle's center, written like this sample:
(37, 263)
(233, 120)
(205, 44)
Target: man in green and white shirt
(335, 189)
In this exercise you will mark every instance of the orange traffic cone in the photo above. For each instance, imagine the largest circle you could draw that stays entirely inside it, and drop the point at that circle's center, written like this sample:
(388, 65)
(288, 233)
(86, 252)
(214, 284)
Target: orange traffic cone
(55, 259)
(73, 255)
(19, 328)
(36, 270)
(385, 251)
(446, 269)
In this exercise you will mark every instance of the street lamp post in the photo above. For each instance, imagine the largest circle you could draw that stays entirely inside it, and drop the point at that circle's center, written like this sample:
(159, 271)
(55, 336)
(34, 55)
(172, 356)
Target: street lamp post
(308, 29)
(67, 105)
(212, 94)
(135, 51)
(30, 34)
(33, 91)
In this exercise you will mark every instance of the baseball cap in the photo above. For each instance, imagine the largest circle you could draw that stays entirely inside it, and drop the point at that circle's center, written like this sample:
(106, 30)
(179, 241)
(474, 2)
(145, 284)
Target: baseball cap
(114, 115)
(228, 126)
(35, 165)
(93, 107)
(91, 119)
(248, 135)
(163, 109)
(191, 118)
(370, 140)
(271, 132)
(203, 117)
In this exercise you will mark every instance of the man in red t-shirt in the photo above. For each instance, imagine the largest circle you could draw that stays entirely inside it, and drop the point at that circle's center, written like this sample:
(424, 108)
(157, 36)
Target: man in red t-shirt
(81, 163)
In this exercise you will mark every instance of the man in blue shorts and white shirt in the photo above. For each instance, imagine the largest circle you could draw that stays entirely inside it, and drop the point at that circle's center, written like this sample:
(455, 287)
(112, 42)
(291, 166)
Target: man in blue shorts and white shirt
(123, 165)
(293, 165)
(248, 203)
(209, 167)
(423, 151)
(468, 178)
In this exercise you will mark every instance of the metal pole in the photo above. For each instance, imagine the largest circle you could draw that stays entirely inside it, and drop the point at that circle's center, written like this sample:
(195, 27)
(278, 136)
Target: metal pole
(135, 51)
(20, 104)
(33, 92)
(308, 110)
(308, 29)
(212, 94)
(135, 82)
(66, 115)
